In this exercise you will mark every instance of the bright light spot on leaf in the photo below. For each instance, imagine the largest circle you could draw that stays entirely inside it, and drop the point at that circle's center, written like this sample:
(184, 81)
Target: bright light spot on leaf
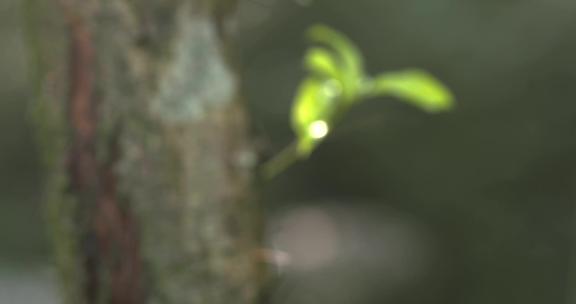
(318, 129)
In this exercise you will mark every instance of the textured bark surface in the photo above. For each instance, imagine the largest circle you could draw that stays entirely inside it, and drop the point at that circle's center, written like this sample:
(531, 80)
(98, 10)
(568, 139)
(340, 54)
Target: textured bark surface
(150, 163)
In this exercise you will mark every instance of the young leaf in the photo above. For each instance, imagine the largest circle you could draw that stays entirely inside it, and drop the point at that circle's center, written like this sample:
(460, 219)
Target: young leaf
(413, 86)
(350, 59)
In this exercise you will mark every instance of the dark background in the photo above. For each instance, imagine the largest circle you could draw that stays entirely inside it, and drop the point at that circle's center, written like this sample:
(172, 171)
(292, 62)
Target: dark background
(484, 194)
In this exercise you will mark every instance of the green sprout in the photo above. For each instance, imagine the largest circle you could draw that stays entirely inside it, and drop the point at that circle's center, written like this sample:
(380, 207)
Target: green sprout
(335, 82)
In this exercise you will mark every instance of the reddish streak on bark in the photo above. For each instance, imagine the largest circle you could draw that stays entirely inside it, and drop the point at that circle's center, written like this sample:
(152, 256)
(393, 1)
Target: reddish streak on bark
(116, 251)
(118, 242)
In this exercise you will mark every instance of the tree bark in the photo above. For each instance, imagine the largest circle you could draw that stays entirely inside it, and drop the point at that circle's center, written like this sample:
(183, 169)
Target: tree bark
(150, 163)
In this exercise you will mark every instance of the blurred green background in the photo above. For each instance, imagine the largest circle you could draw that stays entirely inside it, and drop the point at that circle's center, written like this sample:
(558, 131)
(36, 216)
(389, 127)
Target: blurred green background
(484, 194)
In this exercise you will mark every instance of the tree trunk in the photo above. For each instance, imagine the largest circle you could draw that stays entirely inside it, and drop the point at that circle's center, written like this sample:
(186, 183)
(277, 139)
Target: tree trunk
(150, 165)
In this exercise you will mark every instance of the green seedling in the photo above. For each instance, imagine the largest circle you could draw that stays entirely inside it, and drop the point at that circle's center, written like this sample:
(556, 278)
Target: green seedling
(336, 81)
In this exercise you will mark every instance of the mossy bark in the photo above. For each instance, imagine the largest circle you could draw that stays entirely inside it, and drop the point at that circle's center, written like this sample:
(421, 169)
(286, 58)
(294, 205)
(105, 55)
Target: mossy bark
(149, 158)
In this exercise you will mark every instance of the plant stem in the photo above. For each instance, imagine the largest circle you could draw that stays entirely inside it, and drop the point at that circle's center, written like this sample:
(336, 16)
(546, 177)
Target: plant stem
(280, 162)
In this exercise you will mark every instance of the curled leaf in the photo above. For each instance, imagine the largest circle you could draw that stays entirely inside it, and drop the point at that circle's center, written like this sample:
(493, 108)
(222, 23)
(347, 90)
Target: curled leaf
(322, 62)
(350, 61)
